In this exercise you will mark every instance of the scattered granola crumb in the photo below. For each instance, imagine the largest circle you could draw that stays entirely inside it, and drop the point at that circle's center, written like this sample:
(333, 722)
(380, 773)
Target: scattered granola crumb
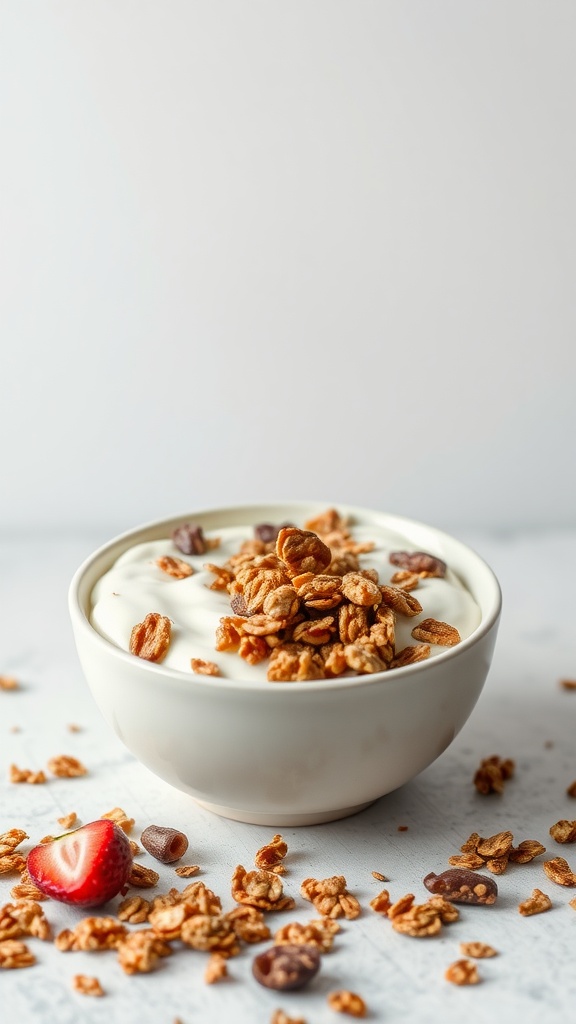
(187, 870)
(571, 790)
(402, 828)
(379, 877)
(9, 683)
(331, 897)
(67, 820)
(564, 831)
(271, 856)
(558, 870)
(204, 668)
(15, 954)
(26, 775)
(280, 1017)
(216, 969)
(477, 950)
(537, 903)
(121, 819)
(568, 684)
(344, 1001)
(72, 727)
(66, 767)
(492, 773)
(87, 985)
(462, 972)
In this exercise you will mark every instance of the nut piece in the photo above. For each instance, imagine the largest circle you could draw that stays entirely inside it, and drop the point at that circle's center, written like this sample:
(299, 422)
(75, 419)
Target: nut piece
(537, 903)
(165, 844)
(462, 972)
(150, 639)
(285, 967)
(460, 885)
(344, 1001)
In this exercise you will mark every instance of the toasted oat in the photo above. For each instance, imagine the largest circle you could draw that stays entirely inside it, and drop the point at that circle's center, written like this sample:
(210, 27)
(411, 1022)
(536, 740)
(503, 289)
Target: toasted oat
(87, 985)
(67, 820)
(319, 933)
(26, 890)
(462, 972)
(23, 918)
(564, 831)
(405, 579)
(187, 870)
(11, 839)
(150, 639)
(537, 903)
(120, 818)
(559, 871)
(432, 631)
(248, 923)
(9, 683)
(134, 910)
(402, 602)
(212, 933)
(419, 920)
(526, 851)
(15, 954)
(26, 775)
(271, 856)
(216, 969)
(175, 567)
(12, 862)
(331, 897)
(492, 773)
(344, 1001)
(262, 889)
(379, 877)
(477, 950)
(204, 668)
(139, 952)
(142, 877)
(92, 934)
(66, 767)
(410, 655)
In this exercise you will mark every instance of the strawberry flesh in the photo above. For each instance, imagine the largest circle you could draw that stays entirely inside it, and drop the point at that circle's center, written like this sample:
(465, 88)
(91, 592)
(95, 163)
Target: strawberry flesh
(85, 867)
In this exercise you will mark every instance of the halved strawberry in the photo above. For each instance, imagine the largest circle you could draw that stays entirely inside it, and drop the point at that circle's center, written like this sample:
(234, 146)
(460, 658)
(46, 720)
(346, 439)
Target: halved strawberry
(86, 867)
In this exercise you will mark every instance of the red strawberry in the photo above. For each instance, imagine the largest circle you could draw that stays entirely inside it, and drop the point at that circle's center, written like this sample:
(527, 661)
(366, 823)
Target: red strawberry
(86, 867)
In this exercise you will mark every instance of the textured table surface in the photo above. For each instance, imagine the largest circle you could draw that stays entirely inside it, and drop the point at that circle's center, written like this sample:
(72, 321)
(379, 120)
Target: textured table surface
(523, 713)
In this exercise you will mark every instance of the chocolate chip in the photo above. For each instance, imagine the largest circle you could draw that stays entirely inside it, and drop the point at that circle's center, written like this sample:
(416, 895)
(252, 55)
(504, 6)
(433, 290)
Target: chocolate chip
(460, 885)
(286, 967)
(267, 532)
(189, 538)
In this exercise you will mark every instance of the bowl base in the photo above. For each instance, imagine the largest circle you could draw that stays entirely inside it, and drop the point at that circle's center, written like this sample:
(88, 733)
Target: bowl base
(282, 818)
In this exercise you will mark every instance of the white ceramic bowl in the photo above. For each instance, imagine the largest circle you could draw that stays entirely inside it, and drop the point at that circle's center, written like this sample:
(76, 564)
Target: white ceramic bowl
(283, 754)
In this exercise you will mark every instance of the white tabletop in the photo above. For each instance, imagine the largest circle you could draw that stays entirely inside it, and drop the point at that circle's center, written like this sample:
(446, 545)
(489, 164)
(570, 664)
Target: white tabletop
(523, 713)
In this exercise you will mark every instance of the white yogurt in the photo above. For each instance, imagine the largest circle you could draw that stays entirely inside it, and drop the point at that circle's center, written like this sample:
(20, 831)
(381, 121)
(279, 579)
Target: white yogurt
(135, 586)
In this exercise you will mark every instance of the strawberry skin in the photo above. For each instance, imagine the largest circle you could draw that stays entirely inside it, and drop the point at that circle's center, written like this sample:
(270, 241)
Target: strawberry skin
(85, 867)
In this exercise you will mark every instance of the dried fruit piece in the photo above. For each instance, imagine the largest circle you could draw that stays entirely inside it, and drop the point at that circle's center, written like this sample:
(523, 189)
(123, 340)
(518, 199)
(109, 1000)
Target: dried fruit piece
(150, 639)
(286, 967)
(189, 539)
(85, 867)
(460, 885)
(419, 562)
(165, 844)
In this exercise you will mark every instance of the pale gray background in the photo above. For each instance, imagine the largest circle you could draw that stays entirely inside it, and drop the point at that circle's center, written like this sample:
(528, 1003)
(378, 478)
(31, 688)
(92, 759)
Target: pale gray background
(262, 249)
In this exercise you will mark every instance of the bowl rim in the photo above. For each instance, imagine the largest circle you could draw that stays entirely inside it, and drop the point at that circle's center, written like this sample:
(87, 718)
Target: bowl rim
(122, 541)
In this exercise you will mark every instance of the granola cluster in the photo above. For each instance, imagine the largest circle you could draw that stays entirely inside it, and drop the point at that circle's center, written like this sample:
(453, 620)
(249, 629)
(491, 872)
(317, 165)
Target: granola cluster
(301, 601)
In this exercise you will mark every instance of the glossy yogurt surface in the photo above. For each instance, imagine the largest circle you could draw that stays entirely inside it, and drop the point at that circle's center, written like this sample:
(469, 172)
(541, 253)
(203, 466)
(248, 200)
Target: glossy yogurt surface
(135, 586)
